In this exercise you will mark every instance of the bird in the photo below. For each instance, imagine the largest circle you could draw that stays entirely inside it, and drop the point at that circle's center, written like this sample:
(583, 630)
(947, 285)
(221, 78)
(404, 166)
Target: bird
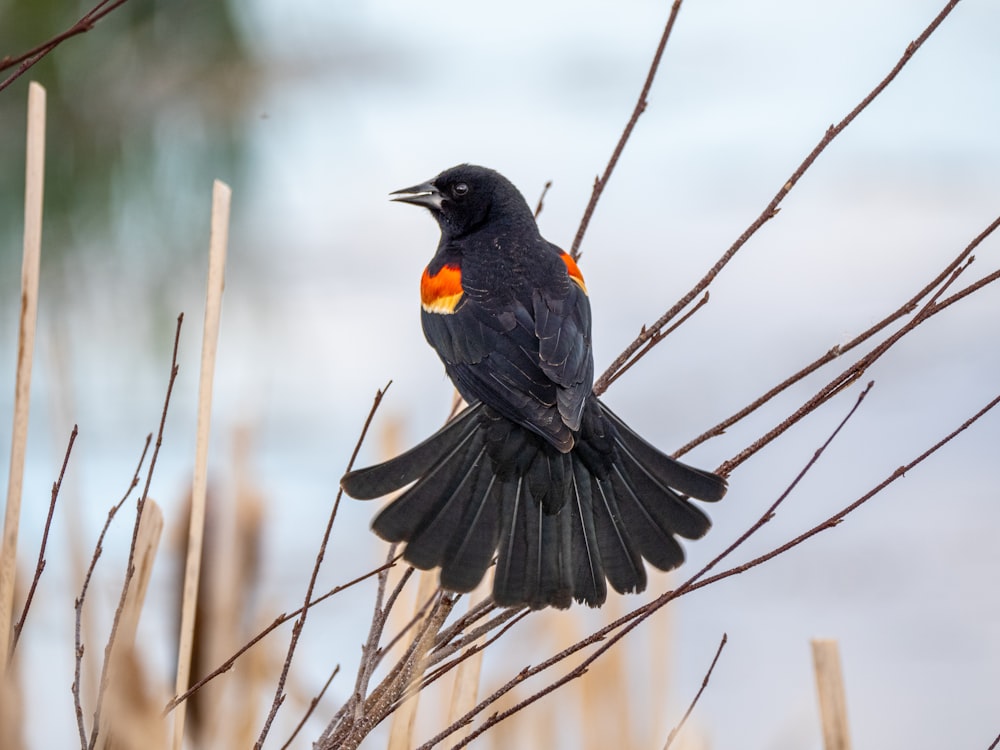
(536, 475)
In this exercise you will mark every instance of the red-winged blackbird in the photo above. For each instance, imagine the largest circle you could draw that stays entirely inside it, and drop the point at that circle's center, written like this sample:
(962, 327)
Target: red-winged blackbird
(536, 472)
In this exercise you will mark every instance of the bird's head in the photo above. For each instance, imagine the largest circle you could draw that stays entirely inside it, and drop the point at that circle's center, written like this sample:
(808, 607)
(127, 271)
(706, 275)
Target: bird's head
(462, 198)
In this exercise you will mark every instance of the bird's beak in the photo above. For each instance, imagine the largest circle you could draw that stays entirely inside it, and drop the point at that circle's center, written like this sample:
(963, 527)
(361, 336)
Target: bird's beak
(425, 195)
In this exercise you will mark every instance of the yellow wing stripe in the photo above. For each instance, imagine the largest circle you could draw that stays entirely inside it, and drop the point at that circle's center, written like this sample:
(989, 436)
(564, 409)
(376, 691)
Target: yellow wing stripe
(441, 292)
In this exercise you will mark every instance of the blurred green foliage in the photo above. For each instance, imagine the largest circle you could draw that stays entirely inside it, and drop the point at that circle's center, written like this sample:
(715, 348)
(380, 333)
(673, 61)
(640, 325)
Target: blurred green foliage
(144, 110)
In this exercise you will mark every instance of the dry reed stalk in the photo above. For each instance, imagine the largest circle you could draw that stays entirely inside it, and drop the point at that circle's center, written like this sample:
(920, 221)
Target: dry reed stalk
(661, 659)
(832, 697)
(217, 624)
(218, 242)
(34, 190)
(124, 669)
(137, 722)
(465, 691)
(237, 565)
(607, 683)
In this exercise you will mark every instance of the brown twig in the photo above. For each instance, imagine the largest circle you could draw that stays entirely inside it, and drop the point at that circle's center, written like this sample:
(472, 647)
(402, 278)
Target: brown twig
(835, 519)
(905, 309)
(444, 649)
(400, 684)
(312, 707)
(86, 23)
(856, 370)
(704, 684)
(772, 208)
(279, 692)
(541, 198)
(417, 617)
(655, 339)
(371, 643)
(473, 615)
(130, 565)
(276, 623)
(640, 107)
(509, 618)
(995, 744)
(78, 604)
(40, 566)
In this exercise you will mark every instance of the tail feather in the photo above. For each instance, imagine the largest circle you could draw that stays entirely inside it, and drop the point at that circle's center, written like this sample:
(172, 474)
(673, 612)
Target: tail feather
(655, 542)
(588, 573)
(448, 501)
(414, 510)
(389, 476)
(671, 511)
(562, 526)
(550, 479)
(471, 551)
(554, 574)
(510, 582)
(622, 561)
(685, 479)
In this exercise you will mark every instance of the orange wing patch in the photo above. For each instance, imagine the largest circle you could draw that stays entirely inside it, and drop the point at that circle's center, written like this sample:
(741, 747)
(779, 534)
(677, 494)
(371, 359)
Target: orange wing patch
(574, 271)
(441, 292)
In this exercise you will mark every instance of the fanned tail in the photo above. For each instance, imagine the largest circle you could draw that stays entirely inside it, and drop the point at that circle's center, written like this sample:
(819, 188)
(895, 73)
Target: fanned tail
(561, 526)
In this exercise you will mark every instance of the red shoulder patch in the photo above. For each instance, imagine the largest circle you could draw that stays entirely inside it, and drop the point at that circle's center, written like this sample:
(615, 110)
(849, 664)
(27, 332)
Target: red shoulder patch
(441, 292)
(574, 271)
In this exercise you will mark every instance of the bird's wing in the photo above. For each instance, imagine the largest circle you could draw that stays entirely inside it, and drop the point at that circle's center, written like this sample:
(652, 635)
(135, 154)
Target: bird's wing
(529, 359)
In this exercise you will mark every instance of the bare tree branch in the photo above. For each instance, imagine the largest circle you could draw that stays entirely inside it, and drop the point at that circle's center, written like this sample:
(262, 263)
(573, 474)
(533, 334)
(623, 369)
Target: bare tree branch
(40, 566)
(130, 565)
(279, 693)
(905, 309)
(640, 107)
(26, 60)
(704, 684)
(772, 208)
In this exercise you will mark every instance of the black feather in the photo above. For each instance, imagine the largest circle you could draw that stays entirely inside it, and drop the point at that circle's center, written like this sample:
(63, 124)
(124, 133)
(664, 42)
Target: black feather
(381, 479)
(685, 479)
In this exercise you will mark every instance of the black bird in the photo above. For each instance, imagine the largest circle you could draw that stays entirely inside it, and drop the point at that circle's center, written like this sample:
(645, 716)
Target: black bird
(536, 472)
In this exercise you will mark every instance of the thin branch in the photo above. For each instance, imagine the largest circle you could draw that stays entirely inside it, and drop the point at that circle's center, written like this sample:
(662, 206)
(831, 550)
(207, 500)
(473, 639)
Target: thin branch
(476, 613)
(640, 107)
(837, 351)
(844, 378)
(995, 743)
(655, 339)
(414, 620)
(312, 707)
(836, 518)
(40, 566)
(541, 198)
(370, 647)
(78, 604)
(130, 565)
(279, 692)
(278, 621)
(26, 60)
(509, 619)
(704, 684)
(443, 650)
(772, 208)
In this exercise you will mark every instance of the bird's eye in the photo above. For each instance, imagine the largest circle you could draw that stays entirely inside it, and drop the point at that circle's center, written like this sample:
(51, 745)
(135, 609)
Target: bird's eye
(460, 189)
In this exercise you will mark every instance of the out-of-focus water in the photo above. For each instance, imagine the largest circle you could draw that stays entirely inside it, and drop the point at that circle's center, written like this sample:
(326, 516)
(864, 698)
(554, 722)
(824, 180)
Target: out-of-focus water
(355, 100)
